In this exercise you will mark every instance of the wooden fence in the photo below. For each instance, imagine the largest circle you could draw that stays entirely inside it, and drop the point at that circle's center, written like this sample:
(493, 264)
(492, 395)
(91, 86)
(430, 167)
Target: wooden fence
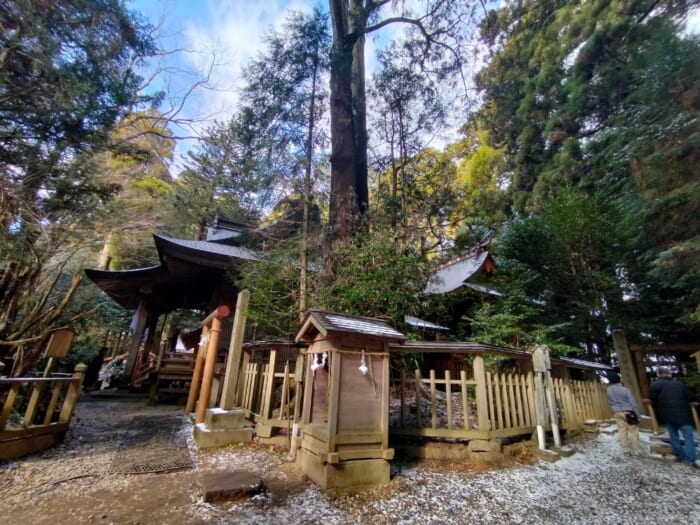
(37, 411)
(269, 389)
(487, 405)
(580, 400)
(475, 404)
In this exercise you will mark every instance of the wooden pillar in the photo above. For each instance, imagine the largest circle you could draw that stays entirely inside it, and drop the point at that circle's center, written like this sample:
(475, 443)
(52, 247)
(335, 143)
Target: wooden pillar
(198, 370)
(137, 335)
(233, 360)
(482, 417)
(214, 323)
(624, 358)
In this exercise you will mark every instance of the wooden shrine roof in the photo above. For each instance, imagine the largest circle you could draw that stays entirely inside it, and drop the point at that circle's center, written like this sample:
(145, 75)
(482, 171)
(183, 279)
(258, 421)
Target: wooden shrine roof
(187, 276)
(325, 323)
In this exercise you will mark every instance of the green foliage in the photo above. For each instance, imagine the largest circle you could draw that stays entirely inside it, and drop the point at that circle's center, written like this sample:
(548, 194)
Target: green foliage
(371, 276)
(562, 269)
(66, 76)
(602, 97)
(273, 311)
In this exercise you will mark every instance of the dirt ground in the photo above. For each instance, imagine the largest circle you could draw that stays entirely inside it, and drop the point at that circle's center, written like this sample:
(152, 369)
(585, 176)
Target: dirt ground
(73, 483)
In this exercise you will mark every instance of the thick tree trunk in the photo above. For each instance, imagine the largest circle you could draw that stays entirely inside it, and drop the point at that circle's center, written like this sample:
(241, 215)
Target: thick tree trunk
(349, 194)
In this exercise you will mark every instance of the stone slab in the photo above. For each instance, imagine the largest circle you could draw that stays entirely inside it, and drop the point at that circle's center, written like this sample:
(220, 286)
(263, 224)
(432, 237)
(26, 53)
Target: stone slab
(229, 484)
(206, 438)
(565, 451)
(547, 455)
(219, 419)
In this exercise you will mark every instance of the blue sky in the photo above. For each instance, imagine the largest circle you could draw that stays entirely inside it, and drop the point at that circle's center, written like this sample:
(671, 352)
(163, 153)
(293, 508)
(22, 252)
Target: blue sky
(214, 39)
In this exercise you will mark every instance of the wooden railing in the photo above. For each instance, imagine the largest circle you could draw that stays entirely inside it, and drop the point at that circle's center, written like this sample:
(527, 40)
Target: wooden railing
(269, 395)
(36, 411)
(481, 407)
(487, 405)
(579, 401)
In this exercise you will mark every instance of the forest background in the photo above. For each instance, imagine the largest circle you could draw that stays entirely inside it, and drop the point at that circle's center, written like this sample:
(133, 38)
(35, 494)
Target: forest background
(576, 165)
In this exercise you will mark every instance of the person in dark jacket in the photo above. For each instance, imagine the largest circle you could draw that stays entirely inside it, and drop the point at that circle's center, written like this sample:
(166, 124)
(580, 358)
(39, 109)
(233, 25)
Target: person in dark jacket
(623, 402)
(671, 400)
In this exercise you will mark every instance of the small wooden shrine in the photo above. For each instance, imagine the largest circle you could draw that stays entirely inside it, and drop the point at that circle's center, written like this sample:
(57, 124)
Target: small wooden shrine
(345, 436)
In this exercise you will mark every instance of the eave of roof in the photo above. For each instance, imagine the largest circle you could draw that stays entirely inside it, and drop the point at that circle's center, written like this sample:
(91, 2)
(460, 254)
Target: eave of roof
(448, 347)
(327, 323)
(455, 274)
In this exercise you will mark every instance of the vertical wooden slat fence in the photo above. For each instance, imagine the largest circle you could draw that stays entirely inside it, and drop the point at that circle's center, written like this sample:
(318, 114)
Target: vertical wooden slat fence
(441, 406)
(581, 400)
(268, 393)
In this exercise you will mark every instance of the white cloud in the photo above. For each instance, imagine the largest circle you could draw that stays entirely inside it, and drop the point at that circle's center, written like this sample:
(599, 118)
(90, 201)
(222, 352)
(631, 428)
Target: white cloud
(692, 24)
(233, 35)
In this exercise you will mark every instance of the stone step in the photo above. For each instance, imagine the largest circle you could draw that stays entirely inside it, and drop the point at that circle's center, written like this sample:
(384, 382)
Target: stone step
(219, 419)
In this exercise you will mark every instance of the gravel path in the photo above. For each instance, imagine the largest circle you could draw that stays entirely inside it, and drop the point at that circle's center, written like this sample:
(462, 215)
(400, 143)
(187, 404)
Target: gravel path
(73, 483)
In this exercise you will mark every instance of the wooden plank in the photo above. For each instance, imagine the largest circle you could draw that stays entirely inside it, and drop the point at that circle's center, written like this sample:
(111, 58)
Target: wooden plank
(349, 455)
(9, 403)
(72, 394)
(386, 373)
(441, 433)
(53, 402)
(433, 403)
(233, 358)
(268, 384)
(519, 386)
(503, 379)
(34, 440)
(499, 404)
(448, 398)
(33, 405)
(336, 361)
(348, 438)
(34, 430)
(284, 402)
(417, 384)
(402, 396)
(531, 397)
(466, 408)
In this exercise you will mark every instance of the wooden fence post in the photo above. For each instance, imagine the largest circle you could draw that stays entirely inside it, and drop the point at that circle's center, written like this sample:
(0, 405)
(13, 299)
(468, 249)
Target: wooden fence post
(627, 368)
(233, 360)
(72, 394)
(482, 417)
(539, 367)
(549, 392)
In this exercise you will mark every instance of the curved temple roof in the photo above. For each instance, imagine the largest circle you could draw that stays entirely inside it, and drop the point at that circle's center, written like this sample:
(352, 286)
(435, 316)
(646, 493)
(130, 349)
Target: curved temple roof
(188, 274)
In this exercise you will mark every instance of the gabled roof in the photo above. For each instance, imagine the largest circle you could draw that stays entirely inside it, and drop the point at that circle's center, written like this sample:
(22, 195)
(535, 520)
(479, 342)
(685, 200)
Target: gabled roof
(455, 274)
(325, 323)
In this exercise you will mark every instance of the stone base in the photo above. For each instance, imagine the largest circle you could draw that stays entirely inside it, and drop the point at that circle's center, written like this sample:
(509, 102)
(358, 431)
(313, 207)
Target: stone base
(565, 451)
(344, 477)
(221, 428)
(219, 419)
(591, 426)
(549, 456)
